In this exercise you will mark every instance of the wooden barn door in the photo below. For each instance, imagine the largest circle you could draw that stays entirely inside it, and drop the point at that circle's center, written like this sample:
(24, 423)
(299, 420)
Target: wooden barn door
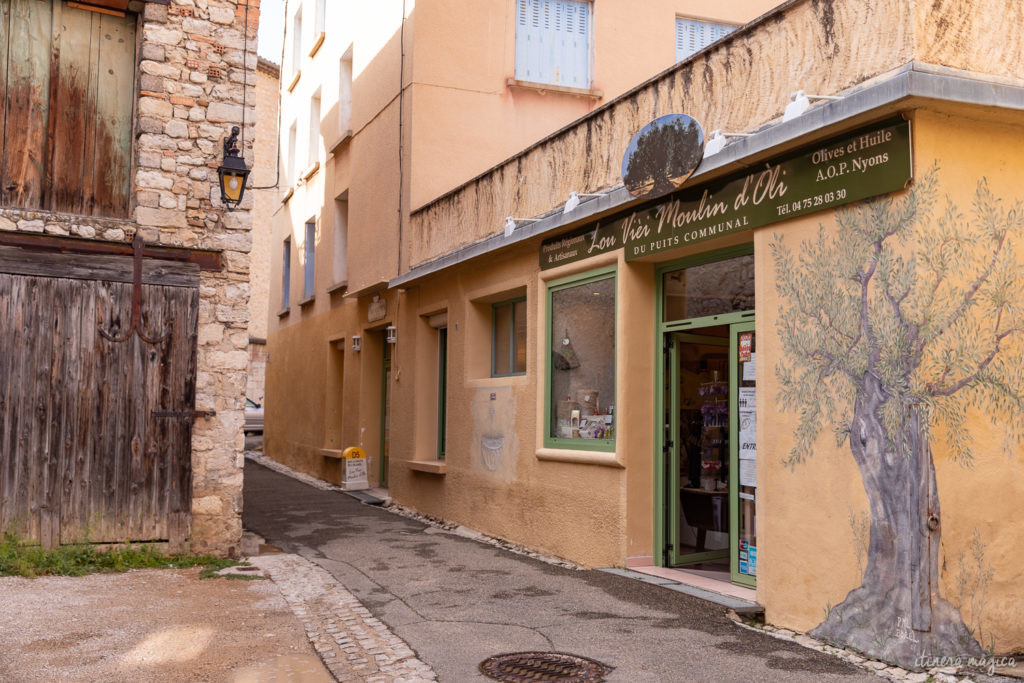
(95, 434)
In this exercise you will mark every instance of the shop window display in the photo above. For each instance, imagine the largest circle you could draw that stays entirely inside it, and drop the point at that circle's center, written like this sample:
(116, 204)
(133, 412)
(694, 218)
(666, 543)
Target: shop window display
(582, 361)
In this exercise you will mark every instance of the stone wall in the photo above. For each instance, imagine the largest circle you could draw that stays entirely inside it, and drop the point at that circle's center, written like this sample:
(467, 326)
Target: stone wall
(264, 174)
(192, 58)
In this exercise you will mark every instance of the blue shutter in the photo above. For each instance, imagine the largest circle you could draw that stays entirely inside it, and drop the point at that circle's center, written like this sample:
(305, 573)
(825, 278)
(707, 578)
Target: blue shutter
(553, 42)
(310, 255)
(693, 36)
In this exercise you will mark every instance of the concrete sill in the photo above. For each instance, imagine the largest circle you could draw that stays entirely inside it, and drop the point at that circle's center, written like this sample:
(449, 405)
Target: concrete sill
(580, 457)
(336, 145)
(311, 171)
(295, 80)
(338, 287)
(544, 88)
(316, 44)
(283, 312)
(428, 466)
(333, 453)
(287, 195)
(307, 301)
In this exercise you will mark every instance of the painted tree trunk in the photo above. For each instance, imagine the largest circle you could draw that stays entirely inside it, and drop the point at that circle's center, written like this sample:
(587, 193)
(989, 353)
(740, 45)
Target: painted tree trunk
(897, 614)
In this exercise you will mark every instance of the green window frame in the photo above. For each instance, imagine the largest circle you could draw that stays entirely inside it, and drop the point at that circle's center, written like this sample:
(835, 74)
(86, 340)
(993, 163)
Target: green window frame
(514, 340)
(551, 420)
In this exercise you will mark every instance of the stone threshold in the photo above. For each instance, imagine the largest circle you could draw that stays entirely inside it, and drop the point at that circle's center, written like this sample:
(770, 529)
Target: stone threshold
(719, 592)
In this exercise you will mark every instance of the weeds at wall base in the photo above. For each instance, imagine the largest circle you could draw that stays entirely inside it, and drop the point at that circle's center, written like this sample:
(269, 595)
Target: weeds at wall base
(18, 558)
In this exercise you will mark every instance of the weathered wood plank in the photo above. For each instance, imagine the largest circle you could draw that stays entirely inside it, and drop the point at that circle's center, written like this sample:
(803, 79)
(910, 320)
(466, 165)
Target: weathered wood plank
(115, 94)
(70, 110)
(38, 357)
(59, 340)
(5, 36)
(109, 268)
(9, 339)
(28, 90)
(77, 474)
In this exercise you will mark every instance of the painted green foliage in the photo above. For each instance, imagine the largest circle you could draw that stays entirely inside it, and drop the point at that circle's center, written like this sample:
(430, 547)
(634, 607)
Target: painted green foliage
(893, 327)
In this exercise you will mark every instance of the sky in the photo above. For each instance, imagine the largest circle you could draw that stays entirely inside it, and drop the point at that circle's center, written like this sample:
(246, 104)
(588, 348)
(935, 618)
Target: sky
(271, 30)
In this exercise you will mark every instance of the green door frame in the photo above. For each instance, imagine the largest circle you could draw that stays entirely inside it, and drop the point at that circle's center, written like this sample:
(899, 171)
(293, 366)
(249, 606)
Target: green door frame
(673, 502)
(661, 430)
(734, 451)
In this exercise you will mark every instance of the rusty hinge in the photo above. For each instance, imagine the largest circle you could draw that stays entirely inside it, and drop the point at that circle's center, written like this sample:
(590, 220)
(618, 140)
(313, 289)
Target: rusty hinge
(186, 415)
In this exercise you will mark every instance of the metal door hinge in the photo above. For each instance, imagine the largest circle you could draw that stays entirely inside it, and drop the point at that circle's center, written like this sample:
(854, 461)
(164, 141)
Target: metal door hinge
(186, 415)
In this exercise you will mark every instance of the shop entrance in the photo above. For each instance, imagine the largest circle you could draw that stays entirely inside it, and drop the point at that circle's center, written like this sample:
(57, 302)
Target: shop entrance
(708, 449)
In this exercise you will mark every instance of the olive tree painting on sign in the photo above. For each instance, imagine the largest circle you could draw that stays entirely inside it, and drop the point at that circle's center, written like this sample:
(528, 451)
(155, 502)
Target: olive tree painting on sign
(904, 323)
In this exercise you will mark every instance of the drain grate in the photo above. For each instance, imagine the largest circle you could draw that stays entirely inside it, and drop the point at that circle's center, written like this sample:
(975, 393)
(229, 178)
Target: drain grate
(516, 667)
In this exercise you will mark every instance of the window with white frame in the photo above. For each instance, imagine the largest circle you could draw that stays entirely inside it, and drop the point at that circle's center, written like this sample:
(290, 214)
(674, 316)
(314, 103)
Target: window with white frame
(314, 130)
(297, 39)
(309, 256)
(693, 35)
(293, 153)
(320, 23)
(553, 42)
(345, 93)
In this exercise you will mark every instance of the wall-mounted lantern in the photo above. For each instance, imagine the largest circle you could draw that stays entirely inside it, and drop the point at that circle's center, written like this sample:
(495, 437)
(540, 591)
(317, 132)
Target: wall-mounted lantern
(357, 342)
(392, 334)
(233, 172)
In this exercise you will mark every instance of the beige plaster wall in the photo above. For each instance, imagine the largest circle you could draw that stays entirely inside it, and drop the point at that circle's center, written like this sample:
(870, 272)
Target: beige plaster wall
(974, 35)
(566, 509)
(809, 551)
(264, 173)
(828, 47)
(458, 118)
(461, 67)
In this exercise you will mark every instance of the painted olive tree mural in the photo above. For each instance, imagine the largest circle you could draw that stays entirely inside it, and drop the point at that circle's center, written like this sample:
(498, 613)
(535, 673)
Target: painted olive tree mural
(903, 324)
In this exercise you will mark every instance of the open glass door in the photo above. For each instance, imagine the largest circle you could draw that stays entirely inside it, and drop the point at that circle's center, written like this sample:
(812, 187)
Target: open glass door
(743, 455)
(699, 457)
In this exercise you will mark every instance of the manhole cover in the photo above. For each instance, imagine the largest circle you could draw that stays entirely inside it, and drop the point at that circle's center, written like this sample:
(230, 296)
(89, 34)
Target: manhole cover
(544, 666)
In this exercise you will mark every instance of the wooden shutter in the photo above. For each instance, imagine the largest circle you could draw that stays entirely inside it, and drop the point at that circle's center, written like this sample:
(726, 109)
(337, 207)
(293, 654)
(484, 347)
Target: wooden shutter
(66, 108)
(553, 42)
(693, 36)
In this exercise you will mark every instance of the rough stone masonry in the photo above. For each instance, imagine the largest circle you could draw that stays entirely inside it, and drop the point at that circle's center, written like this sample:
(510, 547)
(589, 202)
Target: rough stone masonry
(192, 59)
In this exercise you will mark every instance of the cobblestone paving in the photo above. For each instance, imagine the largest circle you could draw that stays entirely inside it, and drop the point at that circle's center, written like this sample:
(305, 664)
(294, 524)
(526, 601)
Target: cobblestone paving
(351, 642)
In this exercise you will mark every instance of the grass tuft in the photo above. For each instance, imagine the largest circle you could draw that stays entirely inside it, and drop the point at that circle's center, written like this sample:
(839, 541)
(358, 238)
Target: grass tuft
(18, 558)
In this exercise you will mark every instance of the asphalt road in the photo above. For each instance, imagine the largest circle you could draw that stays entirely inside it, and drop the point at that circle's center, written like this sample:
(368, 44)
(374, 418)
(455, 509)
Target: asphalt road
(456, 601)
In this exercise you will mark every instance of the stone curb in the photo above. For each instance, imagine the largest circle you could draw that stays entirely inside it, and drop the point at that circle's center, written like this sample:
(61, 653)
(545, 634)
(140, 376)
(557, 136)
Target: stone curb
(893, 673)
(353, 645)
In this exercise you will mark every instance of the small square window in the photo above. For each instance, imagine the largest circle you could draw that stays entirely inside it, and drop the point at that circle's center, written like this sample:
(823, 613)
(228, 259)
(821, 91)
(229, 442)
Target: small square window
(508, 338)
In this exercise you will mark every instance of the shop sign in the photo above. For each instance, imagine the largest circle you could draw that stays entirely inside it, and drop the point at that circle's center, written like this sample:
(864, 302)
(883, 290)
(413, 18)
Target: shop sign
(856, 166)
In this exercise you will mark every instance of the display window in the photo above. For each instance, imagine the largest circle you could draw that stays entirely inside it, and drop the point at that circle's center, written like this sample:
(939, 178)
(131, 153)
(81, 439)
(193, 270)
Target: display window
(581, 362)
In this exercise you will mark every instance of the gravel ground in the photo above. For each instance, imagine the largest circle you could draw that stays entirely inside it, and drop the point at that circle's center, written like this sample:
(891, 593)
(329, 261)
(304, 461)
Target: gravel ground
(151, 625)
